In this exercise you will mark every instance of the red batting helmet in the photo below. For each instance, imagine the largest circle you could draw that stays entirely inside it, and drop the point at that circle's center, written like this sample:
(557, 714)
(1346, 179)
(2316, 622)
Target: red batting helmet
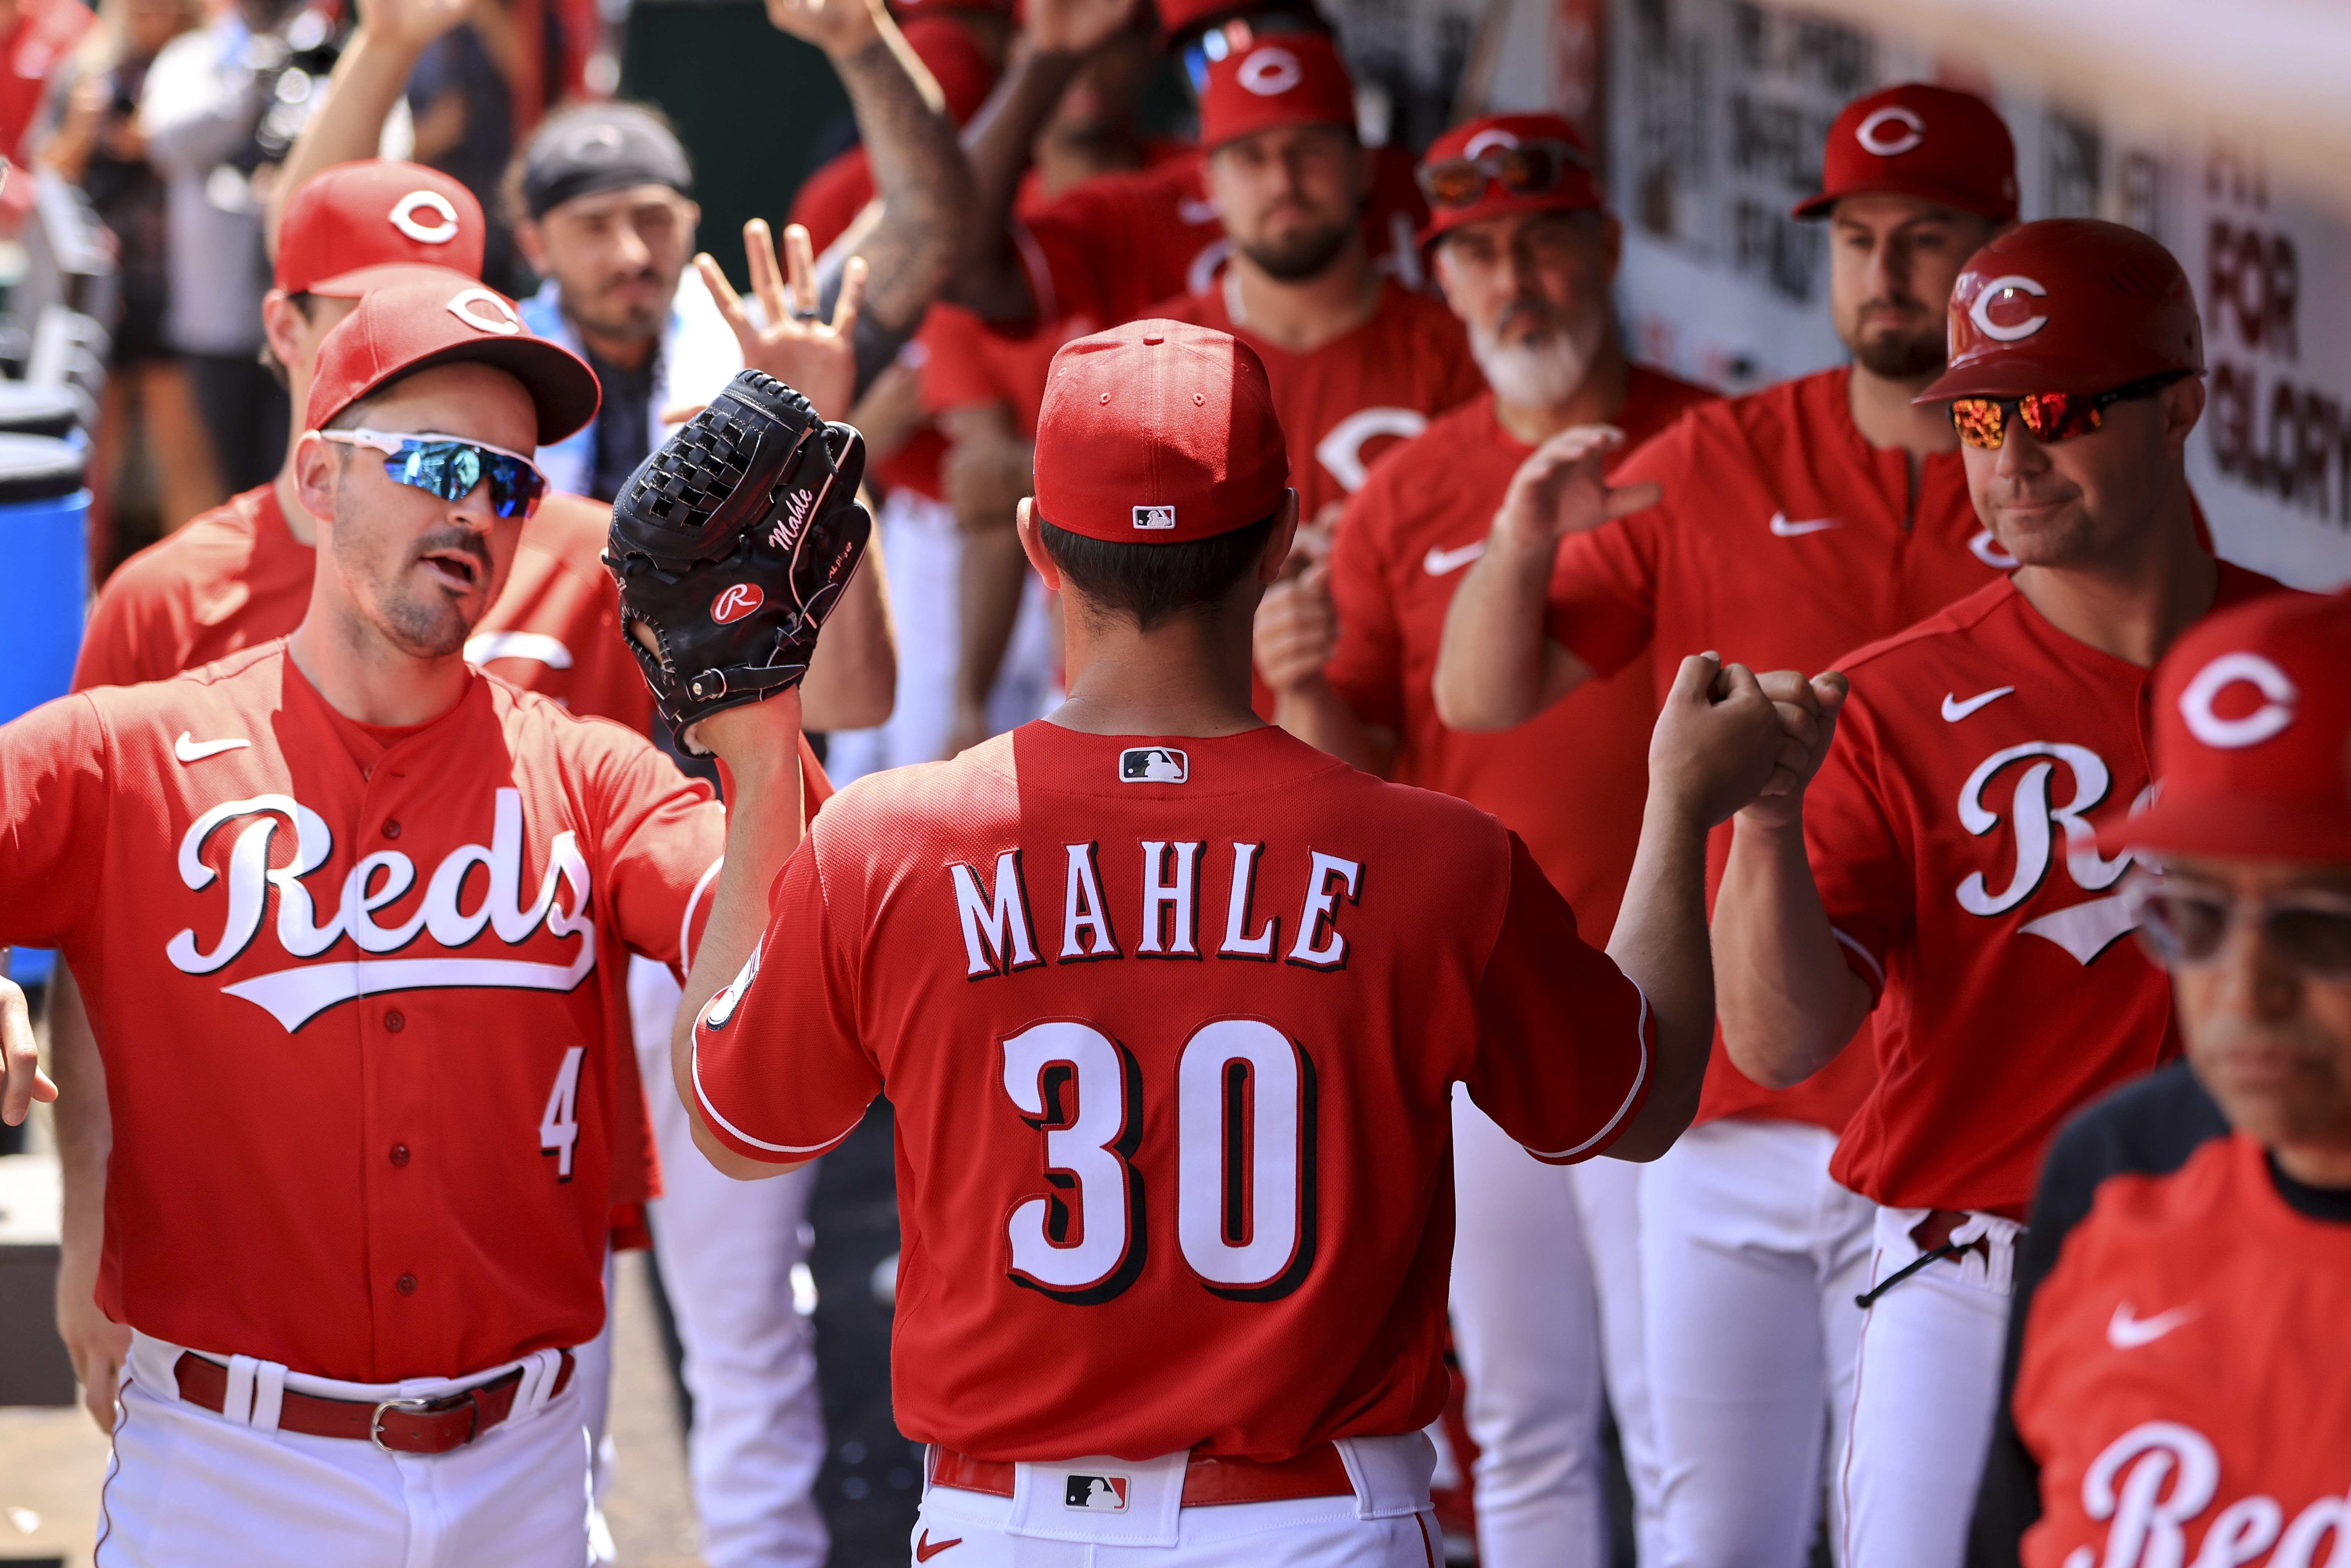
(2068, 305)
(1918, 140)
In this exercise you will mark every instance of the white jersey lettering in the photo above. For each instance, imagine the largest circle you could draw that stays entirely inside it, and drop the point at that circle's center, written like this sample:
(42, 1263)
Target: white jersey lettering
(995, 925)
(1168, 909)
(1320, 944)
(2033, 817)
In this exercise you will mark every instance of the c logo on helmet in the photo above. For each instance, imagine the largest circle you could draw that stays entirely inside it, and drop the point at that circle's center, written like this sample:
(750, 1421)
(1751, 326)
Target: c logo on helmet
(2276, 712)
(2007, 296)
(403, 217)
(735, 601)
(1890, 131)
(469, 306)
(1271, 72)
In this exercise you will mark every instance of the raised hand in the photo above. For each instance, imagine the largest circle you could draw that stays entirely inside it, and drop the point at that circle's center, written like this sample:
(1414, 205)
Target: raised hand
(1075, 26)
(1808, 714)
(817, 359)
(1559, 490)
(839, 28)
(1718, 741)
(411, 23)
(1297, 629)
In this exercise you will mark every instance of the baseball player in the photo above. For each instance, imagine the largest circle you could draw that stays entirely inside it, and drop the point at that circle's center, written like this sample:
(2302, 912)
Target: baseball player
(1524, 254)
(1955, 887)
(1796, 523)
(357, 916)
(1170, 1006)
(2183, 1386)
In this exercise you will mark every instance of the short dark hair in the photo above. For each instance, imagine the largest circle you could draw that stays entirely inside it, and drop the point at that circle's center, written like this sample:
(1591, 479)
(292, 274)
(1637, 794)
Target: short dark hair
(1156, 583)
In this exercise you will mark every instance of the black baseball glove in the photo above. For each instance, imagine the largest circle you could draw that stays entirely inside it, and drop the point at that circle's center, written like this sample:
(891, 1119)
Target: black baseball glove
(732, 543)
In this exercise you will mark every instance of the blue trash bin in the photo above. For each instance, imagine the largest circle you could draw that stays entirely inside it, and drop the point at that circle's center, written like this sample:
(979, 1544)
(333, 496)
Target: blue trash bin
(43, 518)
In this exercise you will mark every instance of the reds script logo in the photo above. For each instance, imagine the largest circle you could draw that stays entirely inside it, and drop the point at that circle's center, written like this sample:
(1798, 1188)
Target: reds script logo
(2198, 702)
(2003, 309)
(403, 217)
(296, 995)
(735, 601)
(2161, 1476)
(2084, 930)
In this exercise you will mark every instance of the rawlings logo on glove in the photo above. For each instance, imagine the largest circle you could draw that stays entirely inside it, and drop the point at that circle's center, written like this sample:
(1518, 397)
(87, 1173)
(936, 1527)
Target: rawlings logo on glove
(731, 544)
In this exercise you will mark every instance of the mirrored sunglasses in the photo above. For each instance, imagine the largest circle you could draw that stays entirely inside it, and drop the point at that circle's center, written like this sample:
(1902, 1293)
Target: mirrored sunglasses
(1530, 169)
(445, 467)
(2184, 924)
(1983, 422)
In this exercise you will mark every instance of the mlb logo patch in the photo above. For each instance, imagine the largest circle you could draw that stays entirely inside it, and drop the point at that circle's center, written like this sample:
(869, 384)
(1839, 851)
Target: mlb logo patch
(1094, 1494)
(1155, 517)
(1153, 765)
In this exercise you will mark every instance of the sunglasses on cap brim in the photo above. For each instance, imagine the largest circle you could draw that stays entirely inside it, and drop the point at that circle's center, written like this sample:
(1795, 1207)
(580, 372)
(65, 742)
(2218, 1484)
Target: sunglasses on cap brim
(2184, 924)
(1983, 422)
(1226, 40)
(1529, 169)
(449, 467)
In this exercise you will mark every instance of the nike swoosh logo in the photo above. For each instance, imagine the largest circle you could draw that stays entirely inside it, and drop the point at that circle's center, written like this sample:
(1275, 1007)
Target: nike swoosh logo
(1954, 710)
(1796, 530)
(1437, 562)
(191, 750)
(925, 1550)
(2125, 1331)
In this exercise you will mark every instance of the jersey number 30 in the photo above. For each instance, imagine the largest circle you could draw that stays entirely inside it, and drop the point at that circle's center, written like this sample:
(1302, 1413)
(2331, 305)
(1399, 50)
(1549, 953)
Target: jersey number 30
(1244, 1161)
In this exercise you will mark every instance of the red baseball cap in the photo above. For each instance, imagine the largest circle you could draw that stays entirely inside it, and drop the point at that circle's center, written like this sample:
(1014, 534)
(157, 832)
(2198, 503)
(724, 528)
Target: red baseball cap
(343, 226)
(1158, 433)
(1531, 136)
(2068, 305)
(1919, 140)
(415, 326)
(1282, 78)
(2252, 737)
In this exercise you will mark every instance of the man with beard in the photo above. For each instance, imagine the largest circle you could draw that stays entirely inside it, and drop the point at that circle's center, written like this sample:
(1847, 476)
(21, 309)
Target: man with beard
(1546, 1263)
(1795, 523)
(1952, 868)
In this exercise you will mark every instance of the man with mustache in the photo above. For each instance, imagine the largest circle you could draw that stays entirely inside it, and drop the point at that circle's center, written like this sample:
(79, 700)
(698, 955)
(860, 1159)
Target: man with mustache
(1952, 868)
(1546, 1263)
(1781, 528)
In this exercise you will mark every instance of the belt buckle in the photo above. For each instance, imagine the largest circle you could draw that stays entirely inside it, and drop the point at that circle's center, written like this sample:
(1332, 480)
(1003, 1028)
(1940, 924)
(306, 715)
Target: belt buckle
(375, 1422)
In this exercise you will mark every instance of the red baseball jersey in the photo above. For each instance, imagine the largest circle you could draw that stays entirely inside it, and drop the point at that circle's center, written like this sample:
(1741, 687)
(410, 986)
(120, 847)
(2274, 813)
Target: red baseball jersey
(2183, 1382)
(1953, 833)
(1113, 247)
(1572, 781)
(969, 364)
(1170, 1028)
(1345, 405)
(360, 995)
(1784, 541)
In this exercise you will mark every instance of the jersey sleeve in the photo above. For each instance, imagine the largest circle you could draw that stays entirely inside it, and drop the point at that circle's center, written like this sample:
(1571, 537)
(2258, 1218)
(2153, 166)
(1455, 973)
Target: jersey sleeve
(663, 837)
(1859, 863)
(1603, 604)
(780, 1073)
(1566, 1040)
(52, 822)
(129, 637)
(956, 370)
(1367, 667)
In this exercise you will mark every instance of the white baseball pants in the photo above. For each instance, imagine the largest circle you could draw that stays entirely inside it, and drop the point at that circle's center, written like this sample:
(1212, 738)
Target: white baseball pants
(1386, 1523)
(1545, 1287)
(1751, 1256)
(726, 1249)
(190, 1488)
(1926, 1386)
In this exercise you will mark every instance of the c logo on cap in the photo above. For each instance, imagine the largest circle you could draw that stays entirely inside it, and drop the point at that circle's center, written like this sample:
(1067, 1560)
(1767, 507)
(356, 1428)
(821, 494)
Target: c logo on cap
(2006, 294)
(1890, 131)
(1271, 72)
(403, 217)
(1486, 140)
(468, 306)
(2234, 734)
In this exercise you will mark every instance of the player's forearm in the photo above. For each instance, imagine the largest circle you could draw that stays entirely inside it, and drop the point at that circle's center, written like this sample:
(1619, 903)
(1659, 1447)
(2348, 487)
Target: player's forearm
(919, 174)
(997, 139)
(83, 1121)
(367, 85)
(993, 577)
(852, 679)
(1789, 1000)
(1495, 666)
(1321, 717)
(1660, 941)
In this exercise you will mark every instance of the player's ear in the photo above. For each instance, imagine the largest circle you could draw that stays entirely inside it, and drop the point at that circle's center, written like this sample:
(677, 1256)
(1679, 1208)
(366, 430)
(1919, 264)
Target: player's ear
(315, 474)
(532, 244)
(1278, 543)
(2182, 403)
(1033, 544)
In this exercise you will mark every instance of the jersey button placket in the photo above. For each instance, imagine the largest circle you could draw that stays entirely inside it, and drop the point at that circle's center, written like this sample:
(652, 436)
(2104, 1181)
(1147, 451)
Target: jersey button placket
(399, 1154)
(405, 1284)
(393, 1020)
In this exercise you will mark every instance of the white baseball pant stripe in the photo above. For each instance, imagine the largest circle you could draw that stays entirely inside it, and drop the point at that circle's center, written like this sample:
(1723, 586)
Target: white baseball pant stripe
(1385, 1523)
(1528, 1321)
(726, 1249)
(190, 1488)
(1926, 1385)
(1751, 1256)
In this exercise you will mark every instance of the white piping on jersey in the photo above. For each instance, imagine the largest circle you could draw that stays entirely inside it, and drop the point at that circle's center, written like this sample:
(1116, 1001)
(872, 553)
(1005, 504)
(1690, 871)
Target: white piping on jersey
(1867, 957)
(685, 926)
(1632, 1095)
(295, 997)
(711, 1111)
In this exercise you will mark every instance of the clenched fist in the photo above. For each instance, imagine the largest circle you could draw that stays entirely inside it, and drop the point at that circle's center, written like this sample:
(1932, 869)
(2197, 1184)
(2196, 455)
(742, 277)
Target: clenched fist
(1297, 630)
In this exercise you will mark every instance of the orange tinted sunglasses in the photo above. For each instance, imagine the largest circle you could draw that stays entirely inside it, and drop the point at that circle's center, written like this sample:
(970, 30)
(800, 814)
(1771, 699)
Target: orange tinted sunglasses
(1983, 422)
